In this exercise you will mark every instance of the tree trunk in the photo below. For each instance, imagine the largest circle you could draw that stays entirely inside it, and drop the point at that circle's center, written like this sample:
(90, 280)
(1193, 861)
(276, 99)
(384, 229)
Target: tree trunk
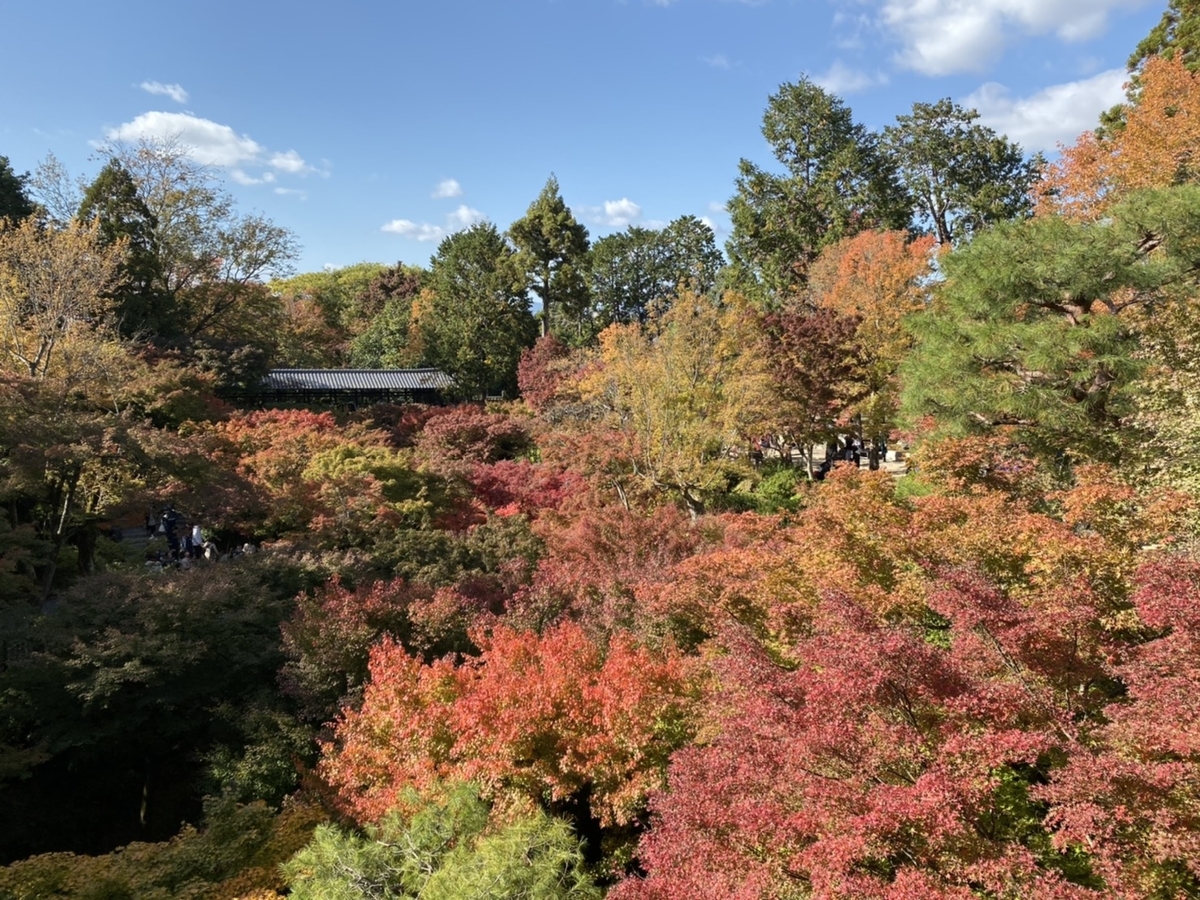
(86, 542)
(67, 493)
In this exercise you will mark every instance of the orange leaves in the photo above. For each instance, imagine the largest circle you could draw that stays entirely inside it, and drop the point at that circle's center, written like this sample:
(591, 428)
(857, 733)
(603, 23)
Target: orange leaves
(540, 718)
(301, 470)
(875, 276)
(1158, 147)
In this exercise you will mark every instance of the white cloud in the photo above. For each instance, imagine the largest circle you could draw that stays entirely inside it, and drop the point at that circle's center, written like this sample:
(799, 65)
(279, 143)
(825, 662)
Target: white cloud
(621, 212)
(291, 192)
(463, 217)
(291, 162)
(718, 61)
(214, 144)
(1056, 114)
(842, 80)
(944, 36)
(422, 231)
(174, 91)
(242, 177)
(210, 142)
(613, 214)
(717, 206)
(447, 188)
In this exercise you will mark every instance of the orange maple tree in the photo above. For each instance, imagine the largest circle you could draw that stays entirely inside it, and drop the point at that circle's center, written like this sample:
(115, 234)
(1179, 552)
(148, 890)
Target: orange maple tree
(1159, 146)
(878, 279)
(549, 719)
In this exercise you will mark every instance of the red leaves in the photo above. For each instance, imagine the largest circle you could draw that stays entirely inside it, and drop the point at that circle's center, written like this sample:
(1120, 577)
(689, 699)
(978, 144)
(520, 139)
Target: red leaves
(906, 677)
(543, 370)
(542, 718)
(1132, 795)
(815, 368)
(863, 773)
(510, 486)
(268, 454)
(470, 434)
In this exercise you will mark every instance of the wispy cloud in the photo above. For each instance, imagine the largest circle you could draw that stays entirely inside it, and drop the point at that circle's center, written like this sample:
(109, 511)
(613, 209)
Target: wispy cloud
(291, 192)
(174, 91)
(461, 218)
(447, 188)
(242, 177)
(718, 61)
(1054, 115)
(841, 79)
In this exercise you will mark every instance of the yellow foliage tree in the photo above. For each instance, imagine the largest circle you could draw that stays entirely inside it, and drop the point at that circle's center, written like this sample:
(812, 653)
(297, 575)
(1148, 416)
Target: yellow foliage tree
(65, 375)
(685, 389)
(54, 308)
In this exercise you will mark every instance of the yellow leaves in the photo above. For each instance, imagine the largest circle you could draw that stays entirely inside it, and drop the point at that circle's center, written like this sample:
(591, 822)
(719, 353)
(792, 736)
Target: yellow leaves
(53, 308)
(687, 386)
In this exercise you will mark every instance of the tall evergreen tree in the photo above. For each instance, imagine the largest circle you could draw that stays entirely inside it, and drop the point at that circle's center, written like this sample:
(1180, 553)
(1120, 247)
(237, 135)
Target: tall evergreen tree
(14, 201)
(143, 307)
(1177, 32)
(836, 182)
(477, 319)
(962, 175)
(633, 269)
(552, 250)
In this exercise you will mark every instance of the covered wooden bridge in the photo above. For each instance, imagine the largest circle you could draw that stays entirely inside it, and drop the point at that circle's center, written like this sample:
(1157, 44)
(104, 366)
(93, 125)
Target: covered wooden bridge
(360, 387)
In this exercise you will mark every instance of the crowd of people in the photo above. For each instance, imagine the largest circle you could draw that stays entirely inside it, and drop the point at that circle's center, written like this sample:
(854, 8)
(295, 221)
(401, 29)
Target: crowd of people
(845, 448)
(852, 450)
(187, 542)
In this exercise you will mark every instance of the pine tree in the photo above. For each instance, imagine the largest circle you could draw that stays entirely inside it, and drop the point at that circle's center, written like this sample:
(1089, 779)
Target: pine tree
(552, 251)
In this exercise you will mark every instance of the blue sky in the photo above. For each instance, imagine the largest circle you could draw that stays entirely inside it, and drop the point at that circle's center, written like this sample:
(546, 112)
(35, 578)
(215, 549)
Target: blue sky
(372, 129)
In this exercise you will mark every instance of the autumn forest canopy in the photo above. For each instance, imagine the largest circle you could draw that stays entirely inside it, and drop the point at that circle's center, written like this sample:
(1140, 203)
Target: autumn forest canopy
(859, 558)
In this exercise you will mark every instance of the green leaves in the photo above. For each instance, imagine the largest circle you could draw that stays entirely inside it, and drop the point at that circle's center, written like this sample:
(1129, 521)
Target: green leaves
(837, 183)
(636, 268)
(14, 200)
(477, 321)
(446, 851)
(1033, 329)
(552, 251)
(962, 175)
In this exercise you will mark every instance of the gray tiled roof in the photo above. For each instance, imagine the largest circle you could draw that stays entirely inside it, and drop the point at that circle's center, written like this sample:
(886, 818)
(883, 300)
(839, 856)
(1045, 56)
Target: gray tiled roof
(356, 380)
